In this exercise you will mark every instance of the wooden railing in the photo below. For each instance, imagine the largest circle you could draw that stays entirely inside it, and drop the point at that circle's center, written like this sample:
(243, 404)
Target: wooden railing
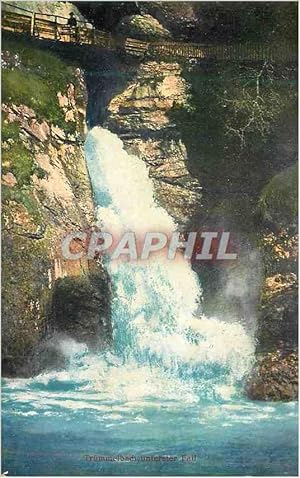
(54, 27)
(237, 52)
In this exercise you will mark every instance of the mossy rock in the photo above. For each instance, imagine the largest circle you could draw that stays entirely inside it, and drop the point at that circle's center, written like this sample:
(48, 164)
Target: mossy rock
(24, 298)
(36, 81)
(279, 198)
(278, 318)
(275, 377)
(144, 27)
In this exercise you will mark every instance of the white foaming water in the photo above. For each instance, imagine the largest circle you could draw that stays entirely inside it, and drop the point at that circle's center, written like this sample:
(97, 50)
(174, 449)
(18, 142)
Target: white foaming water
(171, 383)
(164, 349)
(156, 318)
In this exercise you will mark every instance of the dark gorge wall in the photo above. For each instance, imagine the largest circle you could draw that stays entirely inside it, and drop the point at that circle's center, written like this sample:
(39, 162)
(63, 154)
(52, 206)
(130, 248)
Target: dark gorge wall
(239, 126)
(213, 22)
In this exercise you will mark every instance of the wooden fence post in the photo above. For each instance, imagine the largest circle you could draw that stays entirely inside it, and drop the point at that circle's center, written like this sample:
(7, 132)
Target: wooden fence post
(56, 27)
(32, 24)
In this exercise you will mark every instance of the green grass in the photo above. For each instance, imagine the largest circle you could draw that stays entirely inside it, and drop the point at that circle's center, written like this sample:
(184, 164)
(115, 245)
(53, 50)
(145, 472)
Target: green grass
(20, 163)
(9, 131)
(23, 196)
(36, 84)
(18, 160)
(23, 87)
(43, 63)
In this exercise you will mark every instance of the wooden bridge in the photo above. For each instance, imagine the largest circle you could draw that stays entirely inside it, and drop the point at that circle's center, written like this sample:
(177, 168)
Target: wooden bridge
(54, 27)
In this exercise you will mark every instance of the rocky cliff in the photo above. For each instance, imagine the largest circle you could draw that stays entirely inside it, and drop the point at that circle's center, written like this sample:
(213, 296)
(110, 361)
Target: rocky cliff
(275, 376)
(180, 119)
(140, 116)
(46, 194)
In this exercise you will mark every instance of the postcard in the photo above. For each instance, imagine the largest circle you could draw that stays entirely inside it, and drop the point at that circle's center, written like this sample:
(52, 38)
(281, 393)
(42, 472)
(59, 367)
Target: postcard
(149, 239)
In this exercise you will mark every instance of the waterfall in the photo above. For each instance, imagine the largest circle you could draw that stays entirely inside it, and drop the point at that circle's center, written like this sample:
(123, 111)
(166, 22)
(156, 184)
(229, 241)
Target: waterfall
(167, 398)
(156, 309)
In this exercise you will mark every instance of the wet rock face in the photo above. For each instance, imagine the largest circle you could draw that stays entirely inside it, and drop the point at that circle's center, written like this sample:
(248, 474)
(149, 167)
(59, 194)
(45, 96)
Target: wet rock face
(140, 116)
(275, 377)
(278, 323)
(81, 309)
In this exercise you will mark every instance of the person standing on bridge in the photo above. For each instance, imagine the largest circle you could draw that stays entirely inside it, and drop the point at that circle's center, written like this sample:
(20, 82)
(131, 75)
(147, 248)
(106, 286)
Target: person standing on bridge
(72, 24)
